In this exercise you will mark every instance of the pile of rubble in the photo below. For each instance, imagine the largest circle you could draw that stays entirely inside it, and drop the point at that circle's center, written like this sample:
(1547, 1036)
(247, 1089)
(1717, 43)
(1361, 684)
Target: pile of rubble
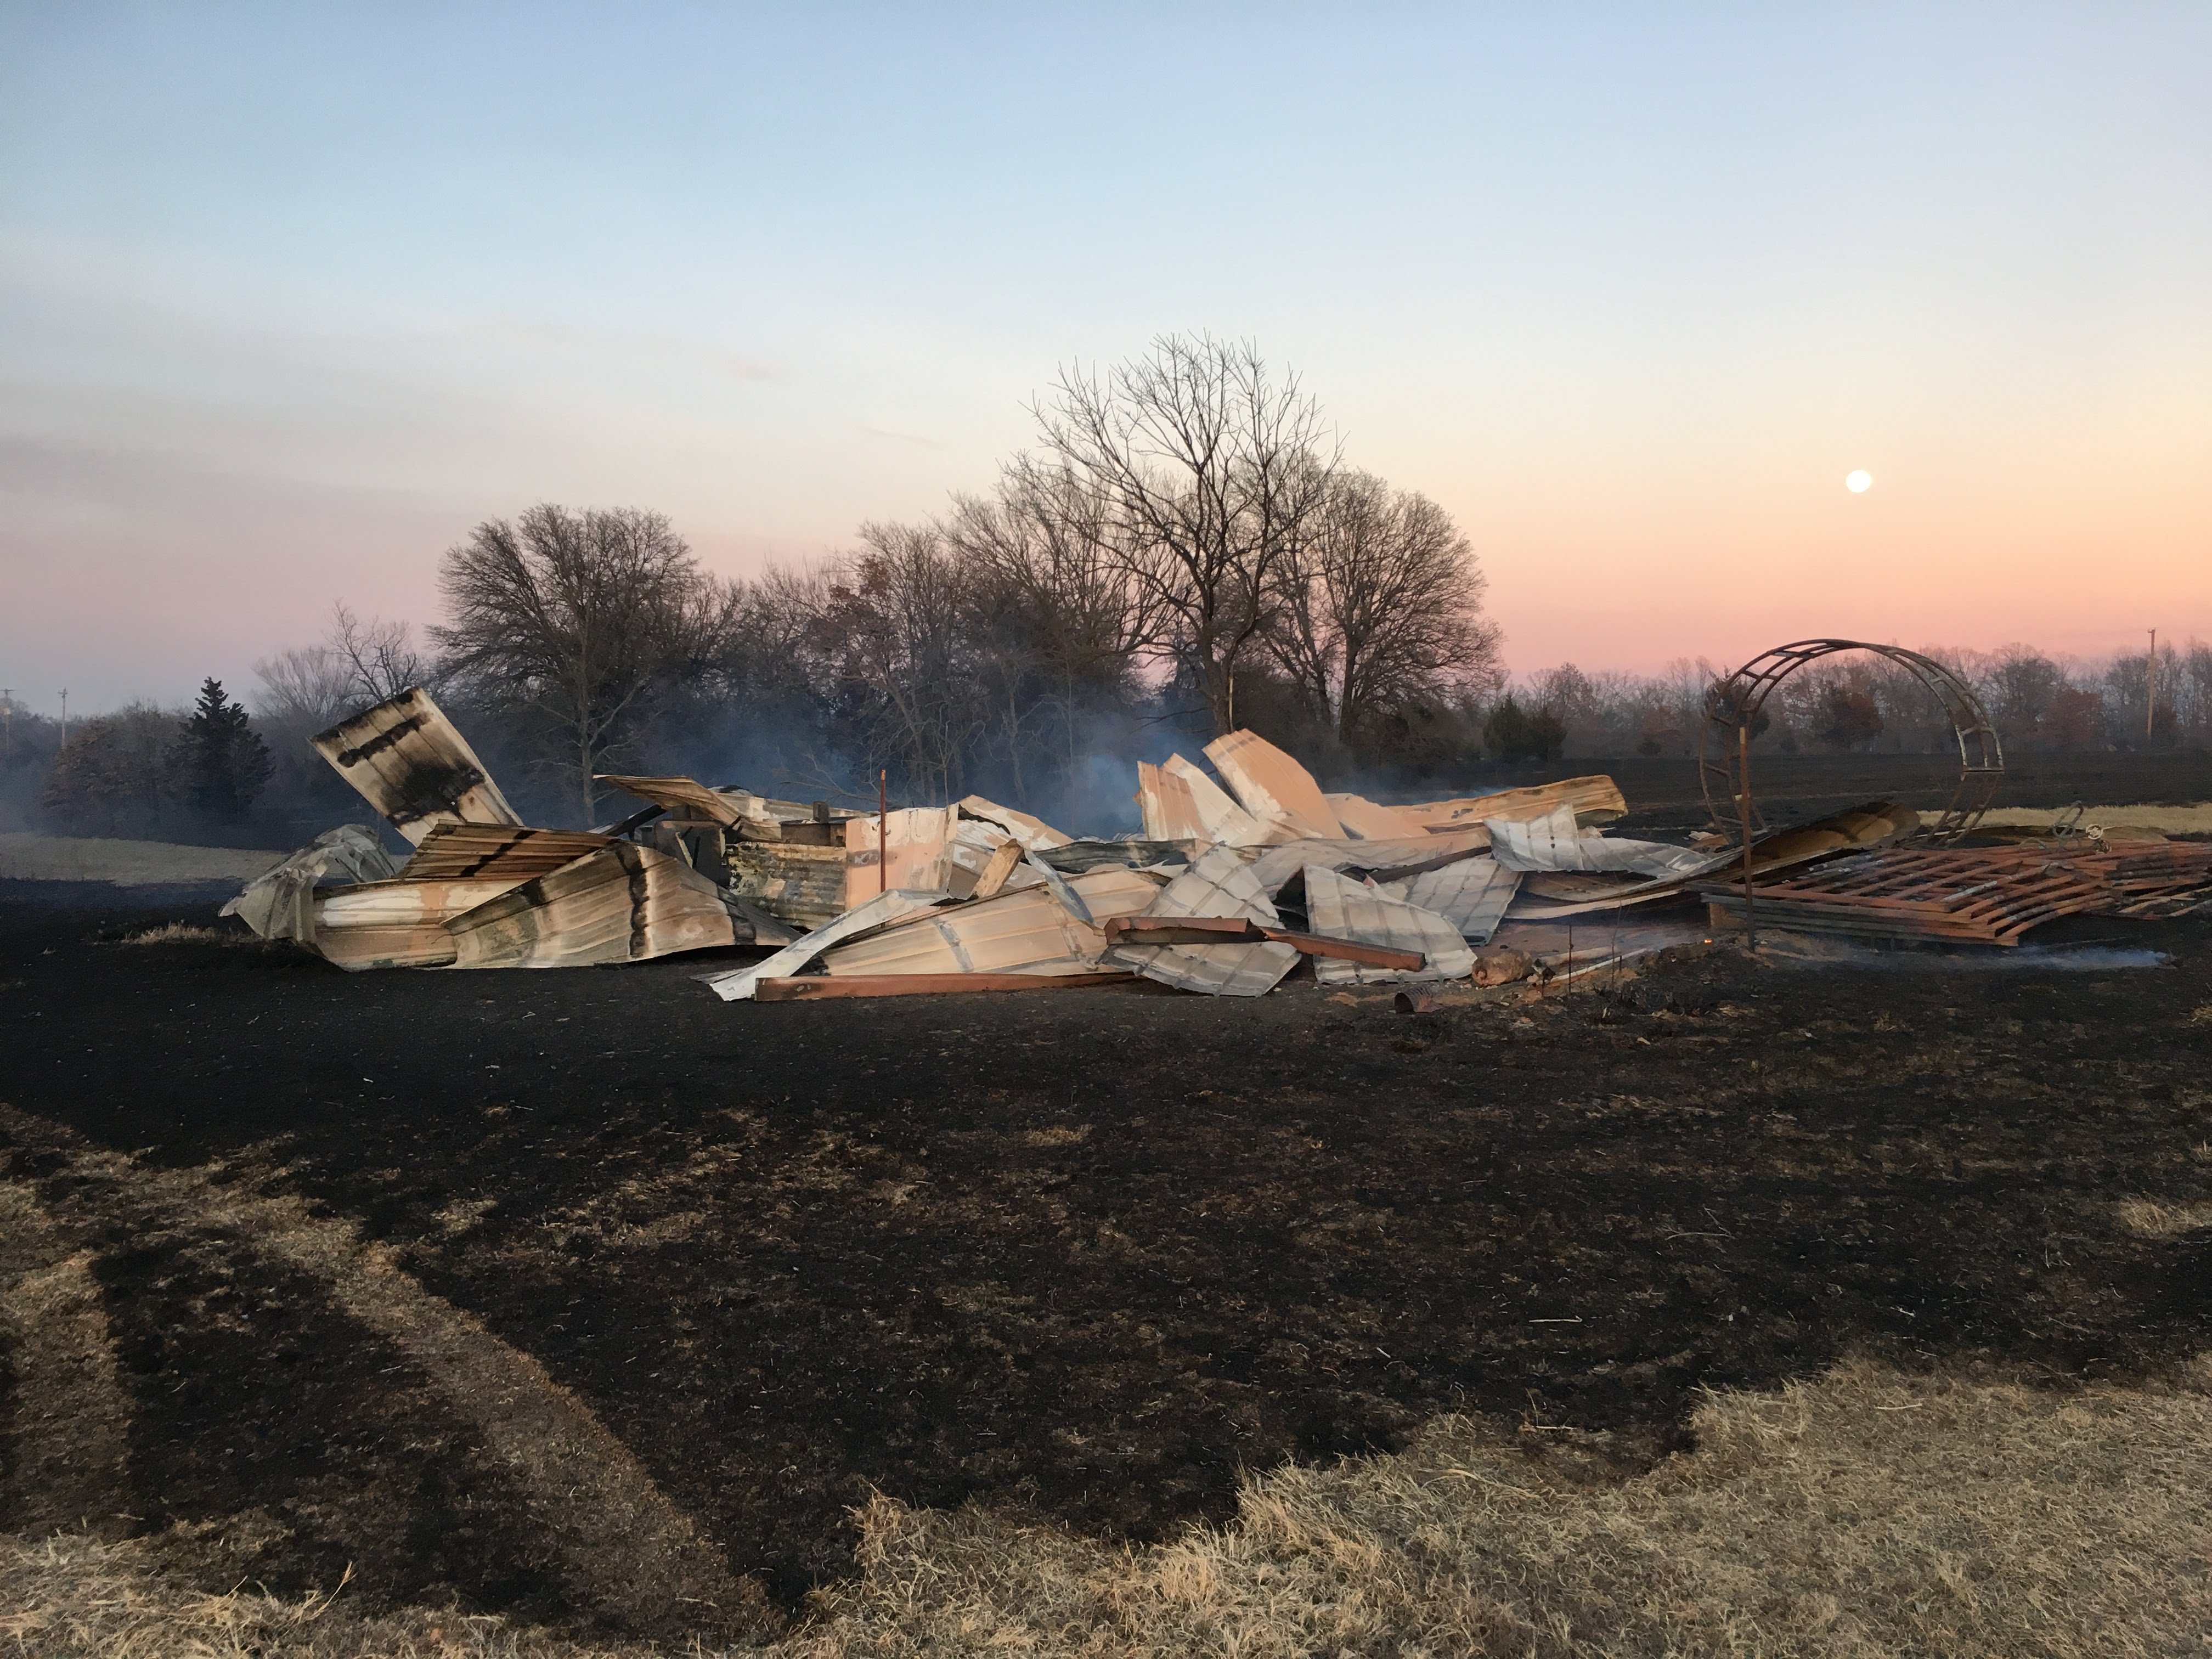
(1237, 877)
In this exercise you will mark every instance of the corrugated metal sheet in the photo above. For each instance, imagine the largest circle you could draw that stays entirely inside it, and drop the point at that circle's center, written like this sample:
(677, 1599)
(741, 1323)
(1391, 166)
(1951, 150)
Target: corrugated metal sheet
(1557, 841)
(1345, 909)
(1165, 806)
(1595, 799)
(1034, 834)
(411, 764)
(738, 984)
(1985, 895)
(1029, 932)
(1277, 865)
(622, 904)
(398, 924)
(280, 903)
(685, 796)
(1218, 819)
(1078, 856)
(463, 851)
(1471, 894)
(795, 882)
(1370, 821)
(1219, 883)
(1278, 792)
(913, 840)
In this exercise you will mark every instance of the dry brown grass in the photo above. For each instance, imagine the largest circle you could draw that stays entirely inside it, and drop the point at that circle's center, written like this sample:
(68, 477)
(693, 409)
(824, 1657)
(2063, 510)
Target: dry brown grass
(2147, 1217)
(73, 1597)
(178, 933)
(1864, 1514)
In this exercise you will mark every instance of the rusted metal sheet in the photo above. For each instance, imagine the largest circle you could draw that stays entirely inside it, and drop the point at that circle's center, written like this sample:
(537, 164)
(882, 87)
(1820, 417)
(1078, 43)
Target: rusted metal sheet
(1226, 929)
(462, 852)
(1471, 893)
(912, 839)
(1907, 894)
(687, 796)
(798, 883)
(1595, 799)
(1280, 794)
(1028, 932)
(738, 984)
(398, 924)
(280, 902)
(622, 904)
(820, 987)
(1370, 821)
(413, 765)
(1344, 908)
(1219, 883)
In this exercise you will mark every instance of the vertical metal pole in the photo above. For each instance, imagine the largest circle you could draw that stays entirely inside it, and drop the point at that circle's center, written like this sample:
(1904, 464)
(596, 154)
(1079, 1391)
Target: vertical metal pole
(66, 717)
(882, 829)
(1743, 802)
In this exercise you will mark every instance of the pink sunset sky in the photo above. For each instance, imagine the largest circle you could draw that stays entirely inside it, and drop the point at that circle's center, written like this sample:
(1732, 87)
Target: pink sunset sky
(290, 297)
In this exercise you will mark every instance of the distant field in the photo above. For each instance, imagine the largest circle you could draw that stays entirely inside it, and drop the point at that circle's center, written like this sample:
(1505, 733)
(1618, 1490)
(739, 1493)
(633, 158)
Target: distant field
(1663, 793)
(127, 863)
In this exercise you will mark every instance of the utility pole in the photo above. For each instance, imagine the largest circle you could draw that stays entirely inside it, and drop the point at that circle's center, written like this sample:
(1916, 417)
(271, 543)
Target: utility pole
(6, 722)
(66, 717)
(2150, 690)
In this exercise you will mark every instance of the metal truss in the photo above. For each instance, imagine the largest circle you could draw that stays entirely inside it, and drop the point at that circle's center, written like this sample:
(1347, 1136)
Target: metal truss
(1733, 704)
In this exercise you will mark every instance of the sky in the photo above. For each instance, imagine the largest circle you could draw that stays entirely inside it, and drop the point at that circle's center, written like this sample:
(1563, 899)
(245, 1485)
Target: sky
(292, 296)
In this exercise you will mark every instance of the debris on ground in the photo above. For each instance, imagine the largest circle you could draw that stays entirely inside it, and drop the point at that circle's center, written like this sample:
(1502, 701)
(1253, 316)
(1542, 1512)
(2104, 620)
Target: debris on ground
(1239, 878)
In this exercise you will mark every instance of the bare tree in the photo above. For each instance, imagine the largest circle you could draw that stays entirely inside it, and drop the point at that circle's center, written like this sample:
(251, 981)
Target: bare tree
(1203, 468)
(304, 691)
(574, 616)
(898, 624)
(1055, 599)
(1379, 600)
(380, 655)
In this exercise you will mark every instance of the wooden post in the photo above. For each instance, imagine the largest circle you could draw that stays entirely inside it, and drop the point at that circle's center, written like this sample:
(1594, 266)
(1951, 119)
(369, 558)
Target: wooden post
(1743, 801)
(2150, 690)
(882, 829)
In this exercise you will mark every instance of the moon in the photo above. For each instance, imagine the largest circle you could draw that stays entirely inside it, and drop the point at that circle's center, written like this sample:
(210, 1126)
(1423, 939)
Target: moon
(1857, 482)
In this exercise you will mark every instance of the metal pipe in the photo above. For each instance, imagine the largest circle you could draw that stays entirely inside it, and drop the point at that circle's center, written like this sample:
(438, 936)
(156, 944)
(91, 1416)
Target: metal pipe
(1743, 802)
(882, 829)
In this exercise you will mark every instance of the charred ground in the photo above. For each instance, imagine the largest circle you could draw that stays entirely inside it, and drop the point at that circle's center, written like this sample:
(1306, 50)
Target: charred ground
(1090, 1253)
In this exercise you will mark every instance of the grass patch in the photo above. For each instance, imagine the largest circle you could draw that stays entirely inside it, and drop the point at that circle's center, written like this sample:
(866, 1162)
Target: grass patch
(2147, 1217)
(75, 1597)
(1863, 1514)
(179, 932)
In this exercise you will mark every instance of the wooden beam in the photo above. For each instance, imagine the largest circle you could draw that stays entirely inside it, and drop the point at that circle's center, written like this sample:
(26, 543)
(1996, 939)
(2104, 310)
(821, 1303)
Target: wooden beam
(1234, 930)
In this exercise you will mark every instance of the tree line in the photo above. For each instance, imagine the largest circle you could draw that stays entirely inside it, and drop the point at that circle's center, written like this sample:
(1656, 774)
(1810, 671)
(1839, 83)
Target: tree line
(1184, 549)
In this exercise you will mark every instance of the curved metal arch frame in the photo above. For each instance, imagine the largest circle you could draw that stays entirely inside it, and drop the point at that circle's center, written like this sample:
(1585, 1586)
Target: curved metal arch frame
(1736, 701)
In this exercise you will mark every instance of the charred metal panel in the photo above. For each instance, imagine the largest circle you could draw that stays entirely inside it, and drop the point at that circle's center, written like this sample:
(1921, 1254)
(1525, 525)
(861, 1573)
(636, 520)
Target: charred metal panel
(412, 764)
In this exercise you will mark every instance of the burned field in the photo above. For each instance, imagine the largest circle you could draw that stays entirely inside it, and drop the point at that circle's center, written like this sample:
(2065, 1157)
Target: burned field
(1082, 1256)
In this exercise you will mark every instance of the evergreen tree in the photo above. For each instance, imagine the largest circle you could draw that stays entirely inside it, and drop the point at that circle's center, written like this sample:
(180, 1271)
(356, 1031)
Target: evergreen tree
(222, 762)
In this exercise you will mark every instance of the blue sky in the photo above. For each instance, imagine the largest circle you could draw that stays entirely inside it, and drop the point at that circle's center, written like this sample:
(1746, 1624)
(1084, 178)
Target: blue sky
(290, 296)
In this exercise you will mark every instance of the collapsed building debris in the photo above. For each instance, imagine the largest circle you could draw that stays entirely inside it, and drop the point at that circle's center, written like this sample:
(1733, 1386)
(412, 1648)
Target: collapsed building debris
(1237, 877)
(1981, 895)
(413, 765)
